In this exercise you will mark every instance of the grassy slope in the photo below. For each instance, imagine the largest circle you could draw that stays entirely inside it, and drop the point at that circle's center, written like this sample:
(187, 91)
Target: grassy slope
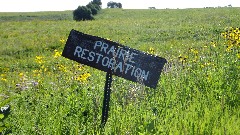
(169, 109)
(167, 30)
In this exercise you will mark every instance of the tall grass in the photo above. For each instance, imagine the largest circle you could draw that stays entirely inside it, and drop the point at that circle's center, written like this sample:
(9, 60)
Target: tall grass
(198, 92)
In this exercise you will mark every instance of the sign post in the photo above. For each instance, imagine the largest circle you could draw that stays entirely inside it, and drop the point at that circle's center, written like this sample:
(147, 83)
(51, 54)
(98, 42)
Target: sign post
(106, 99)
(115, 59)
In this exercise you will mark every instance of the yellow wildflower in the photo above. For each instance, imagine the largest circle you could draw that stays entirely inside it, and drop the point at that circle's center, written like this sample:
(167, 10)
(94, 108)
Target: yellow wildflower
(229, 48)
(206, 64)
(5, 69)
(213, 44)
(3, 77)
(57, 54)
(182, 58)
(43, 68)
(83, 77)
(21, 74)
(62, 41)
(62, 68)
(209, 78)
(232, 35)
(151, 50)
(224, 35)
(39, 59)
(36, 72)
(79, 67)
(194, 51)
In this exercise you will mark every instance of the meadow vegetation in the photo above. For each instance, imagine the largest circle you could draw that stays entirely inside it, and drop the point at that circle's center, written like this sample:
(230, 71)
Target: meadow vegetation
(198, 92)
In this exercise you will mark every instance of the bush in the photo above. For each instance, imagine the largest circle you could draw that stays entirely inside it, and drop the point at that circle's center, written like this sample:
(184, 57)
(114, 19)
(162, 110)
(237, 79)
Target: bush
(97, 2)
(93, 8)
(82, 13)
(98, 7)
(112, 4)
(86, 12)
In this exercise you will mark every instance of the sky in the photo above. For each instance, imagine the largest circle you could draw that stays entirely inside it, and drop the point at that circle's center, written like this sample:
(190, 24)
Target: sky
(61, 5)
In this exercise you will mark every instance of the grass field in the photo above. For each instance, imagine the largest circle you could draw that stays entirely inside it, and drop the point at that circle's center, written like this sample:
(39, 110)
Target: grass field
(198, 92)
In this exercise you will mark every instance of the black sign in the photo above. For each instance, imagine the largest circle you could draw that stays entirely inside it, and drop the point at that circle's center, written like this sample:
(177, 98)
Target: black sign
(107, 55)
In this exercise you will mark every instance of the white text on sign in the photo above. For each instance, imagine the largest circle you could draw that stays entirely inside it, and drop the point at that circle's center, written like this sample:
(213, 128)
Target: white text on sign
(127, 57)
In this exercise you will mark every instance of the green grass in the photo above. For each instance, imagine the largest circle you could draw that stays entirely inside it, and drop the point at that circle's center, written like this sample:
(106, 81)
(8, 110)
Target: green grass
(29, 16)
(198, 92)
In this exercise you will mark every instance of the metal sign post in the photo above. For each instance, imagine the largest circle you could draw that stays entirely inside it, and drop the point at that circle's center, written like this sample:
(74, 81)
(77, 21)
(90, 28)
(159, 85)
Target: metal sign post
(106, 100)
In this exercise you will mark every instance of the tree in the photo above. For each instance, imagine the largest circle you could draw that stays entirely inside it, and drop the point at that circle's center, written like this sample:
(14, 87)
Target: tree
(82, 13)
(119, 5)
(93, 8)
(112, 4)
(86, 12)
(97, 2)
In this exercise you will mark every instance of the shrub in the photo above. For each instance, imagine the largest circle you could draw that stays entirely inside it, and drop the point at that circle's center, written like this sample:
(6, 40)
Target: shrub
(98, 7)
(97, 2)
(82, 13)
(112, 4)
(93, 8)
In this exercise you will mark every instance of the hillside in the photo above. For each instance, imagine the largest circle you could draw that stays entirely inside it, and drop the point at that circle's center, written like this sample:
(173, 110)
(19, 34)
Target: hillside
(137, 28)
(198, 91)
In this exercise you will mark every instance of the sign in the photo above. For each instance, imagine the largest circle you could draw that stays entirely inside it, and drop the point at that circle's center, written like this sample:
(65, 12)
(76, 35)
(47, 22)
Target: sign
(107, 55)
(115, 59)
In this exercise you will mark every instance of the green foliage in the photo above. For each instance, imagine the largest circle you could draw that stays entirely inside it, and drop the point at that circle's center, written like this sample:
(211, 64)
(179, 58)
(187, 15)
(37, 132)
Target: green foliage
(198, 92)
(87, 12)
(112, 4)
(2, 126)
(82, 13)
(48, 16)
(1, 116)
(94, 8)
(97, 2)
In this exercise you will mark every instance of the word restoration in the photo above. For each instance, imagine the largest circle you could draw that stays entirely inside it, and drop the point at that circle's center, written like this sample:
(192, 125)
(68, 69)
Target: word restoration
(108, 56)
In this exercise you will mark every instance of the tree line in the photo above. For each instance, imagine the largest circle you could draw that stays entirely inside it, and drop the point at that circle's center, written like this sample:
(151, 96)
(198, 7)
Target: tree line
(112, 4)
(87, 12)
